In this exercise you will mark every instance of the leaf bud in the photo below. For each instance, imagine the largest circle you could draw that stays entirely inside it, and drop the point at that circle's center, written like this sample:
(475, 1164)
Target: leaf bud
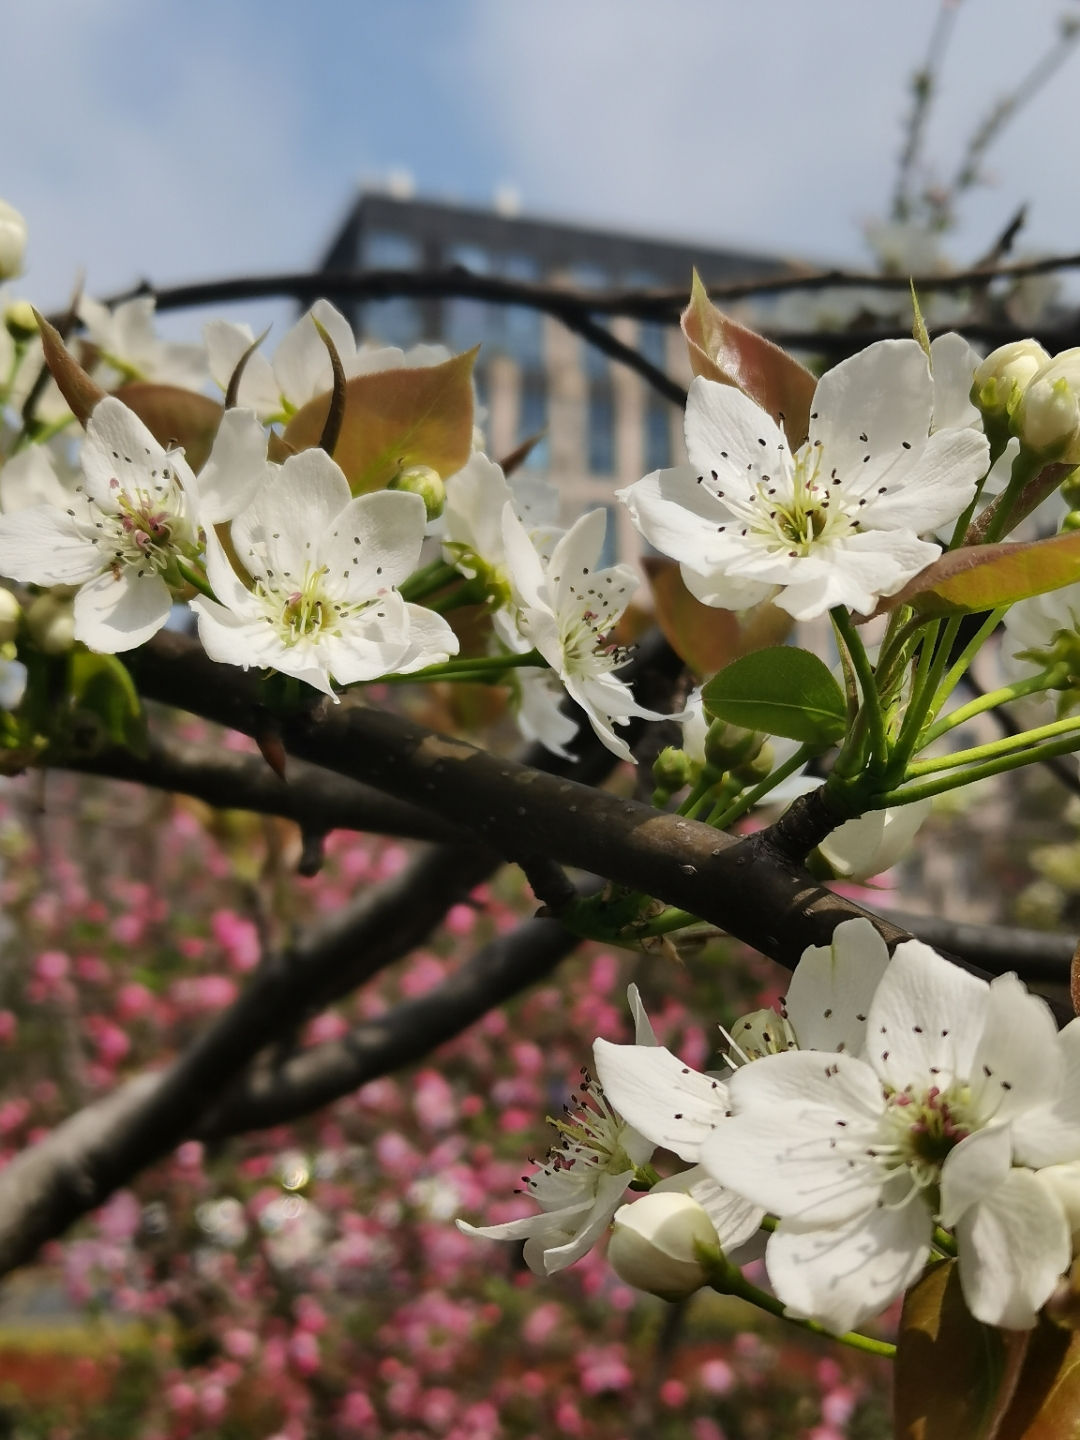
(51, 621)
(20, 321)
(12, 240)
(10, 615)
(1005, 374)
(1047, 419)
(729, 745)
(656, 1245)
(422, 480)
(672, 769)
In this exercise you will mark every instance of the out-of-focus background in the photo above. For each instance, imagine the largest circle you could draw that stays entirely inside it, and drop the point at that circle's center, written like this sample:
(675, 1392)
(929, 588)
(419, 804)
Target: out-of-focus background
(308, 1281)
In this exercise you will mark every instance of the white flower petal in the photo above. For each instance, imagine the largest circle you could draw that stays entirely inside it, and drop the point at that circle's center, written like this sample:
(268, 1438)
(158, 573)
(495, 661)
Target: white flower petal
(1017, 1064)
(29, 478)
(884, 393)
(938, 489)
(120, 454)
(431, 640)
(553, 1220)
(844, 1275)
(802, 1139)
(118, 612)
(525, 566)
(726, 432)
(925, 1019)
(830, 991)
(539, 711)
(665, 1100)
(609, 1195)
(978, 1165)
(1049, 1134)
(1013, 1245)
(44, 546)
(302, 362)
(953, 362)
(874, 842)
(225, 344)
(725, 592)
(236, 469)
(475, 499)
(279, 534)
(575, 558)
(375, 541)
(644, 1034)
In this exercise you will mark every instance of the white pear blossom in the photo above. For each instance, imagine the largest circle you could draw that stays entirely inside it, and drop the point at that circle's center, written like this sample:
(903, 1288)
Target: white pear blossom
(131, 349)
(325, 567)
(953, 363)
(120, 534)
(1038, 631)
(957, 1093)
(874, 842)
(565, 608)
(301, 368)
(839, 522)
(472, 520)
(584, 1179)
(655, 1243)
(12, 240)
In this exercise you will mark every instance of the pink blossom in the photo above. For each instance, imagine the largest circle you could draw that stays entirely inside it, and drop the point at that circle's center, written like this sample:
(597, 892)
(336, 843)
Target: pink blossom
(9, 1027)
(304, 1352)
(181, 1397)
(119, 1218)
(568, 1418)
(543, 1321)
(189, 1155)
(514, 1121)
(133, 1000)
(13, 1114)
(238, 938)
(470, 1107)
(437, 1408)
(717, 1376)
(240, 1344)
(357, 1412)
(51, 966)
(673, 1394)
(604, 1367)
(92, 969)
(396, 1155)
(310, 1315)
(460, 920)
(213, 1401)
(705, 1428)
(433, 1101)
(423, 974)
(603, 974)
(328, 1026)
(528, 1057)
(392, 861)
(128, 929)
(837, 1407)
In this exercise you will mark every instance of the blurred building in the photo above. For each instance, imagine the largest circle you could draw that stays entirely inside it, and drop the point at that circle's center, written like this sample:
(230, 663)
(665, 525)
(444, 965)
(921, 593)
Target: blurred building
(604, 426)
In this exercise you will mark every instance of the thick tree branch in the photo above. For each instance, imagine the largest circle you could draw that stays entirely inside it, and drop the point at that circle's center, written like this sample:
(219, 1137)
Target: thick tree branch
(272, 1094)
(1037, 957)
(315, 798)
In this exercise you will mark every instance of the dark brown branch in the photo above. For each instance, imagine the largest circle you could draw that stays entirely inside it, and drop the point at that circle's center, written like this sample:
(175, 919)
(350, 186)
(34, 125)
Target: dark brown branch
(270, 1094)
(315, 798)
(1038, 958)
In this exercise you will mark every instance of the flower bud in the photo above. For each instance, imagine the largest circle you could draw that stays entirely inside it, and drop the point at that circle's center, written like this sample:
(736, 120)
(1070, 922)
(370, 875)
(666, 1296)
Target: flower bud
(1047, 418)
(12, 240)
(1005, 374)
(655, 1245)
(51, 621)
(10, 615)
(729, 745)
(672, 769)
(422, 480)
(19, 320)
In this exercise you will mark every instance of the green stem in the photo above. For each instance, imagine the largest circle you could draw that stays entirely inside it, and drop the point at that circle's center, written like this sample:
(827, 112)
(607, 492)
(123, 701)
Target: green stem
(921, 706)
(944, 1241)
(481, 666)
(664, 924)
(728, 1279)
(750, 798)
(990, 701)
(967, 655)
(707, 782)
(1005, 746)
(908, 794)
(1024, 468)
(193, 577)
(427, 580)
(871, 700)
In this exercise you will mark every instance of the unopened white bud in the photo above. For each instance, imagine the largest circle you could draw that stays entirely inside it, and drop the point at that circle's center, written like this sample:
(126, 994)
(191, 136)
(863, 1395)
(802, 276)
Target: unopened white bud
(51, 621)
(422, 480)
(12, 240)
(1047, 420)
(1005, 374)
(10, 615)
(19, 320)
(655, 1245)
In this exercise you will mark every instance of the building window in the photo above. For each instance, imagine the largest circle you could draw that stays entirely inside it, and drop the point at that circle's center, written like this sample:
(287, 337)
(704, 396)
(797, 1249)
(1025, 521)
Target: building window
(657, 434)
(610, 553)
(533, 417)
(601, 427)
(398, 321)
(652, 342)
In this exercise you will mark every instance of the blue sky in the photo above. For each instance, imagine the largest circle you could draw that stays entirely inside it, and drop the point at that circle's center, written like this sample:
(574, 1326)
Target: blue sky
(199, 137)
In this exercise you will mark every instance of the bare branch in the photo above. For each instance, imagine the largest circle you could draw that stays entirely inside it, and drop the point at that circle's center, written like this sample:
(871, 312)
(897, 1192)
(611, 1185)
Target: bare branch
(316, 799)
(1038, 958)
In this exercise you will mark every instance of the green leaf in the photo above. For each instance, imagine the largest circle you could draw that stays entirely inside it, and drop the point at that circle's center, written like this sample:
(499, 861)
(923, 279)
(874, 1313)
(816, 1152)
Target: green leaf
(918, 329)
(101, 686)
(722, 349)
(982, 577)
(781, 691)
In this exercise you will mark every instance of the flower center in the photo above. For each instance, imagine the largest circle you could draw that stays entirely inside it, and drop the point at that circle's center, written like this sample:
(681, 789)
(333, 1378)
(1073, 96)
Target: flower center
(592, 1132)
(922, 1131)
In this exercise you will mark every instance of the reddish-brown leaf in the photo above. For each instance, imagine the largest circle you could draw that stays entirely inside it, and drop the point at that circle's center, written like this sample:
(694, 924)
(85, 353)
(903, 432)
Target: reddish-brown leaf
(395, 419)
(948, 1366)
(80, 392)
(175, 416)
(1045, 1401)
(706, 638)
(722, 349)
(981, 577)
